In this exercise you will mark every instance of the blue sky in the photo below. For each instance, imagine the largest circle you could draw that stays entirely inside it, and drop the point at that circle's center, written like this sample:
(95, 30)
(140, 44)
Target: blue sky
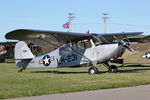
(125, 15)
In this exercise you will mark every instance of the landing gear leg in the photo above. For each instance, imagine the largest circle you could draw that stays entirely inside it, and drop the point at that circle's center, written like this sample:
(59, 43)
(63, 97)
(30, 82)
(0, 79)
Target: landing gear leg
(21, 70)
(112, 68)
(93, 70)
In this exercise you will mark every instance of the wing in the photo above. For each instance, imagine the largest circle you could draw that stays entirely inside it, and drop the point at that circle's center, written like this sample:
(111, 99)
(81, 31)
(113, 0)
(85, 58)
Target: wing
(143, 42)
(45, 38)
(140, 39)
(109, 36)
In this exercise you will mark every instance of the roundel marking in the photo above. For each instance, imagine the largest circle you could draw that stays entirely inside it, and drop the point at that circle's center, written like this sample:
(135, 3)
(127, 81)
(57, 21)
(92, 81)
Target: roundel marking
(147, 55)
(46, 60)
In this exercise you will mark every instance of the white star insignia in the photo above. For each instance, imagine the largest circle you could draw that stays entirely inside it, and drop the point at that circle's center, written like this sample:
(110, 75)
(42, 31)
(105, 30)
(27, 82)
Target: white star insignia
(46, 60)
(148, 55)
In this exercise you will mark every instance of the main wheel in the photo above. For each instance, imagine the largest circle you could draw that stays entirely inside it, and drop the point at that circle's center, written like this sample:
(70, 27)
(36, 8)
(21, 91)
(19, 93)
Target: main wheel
(113, 69)
(93, 70)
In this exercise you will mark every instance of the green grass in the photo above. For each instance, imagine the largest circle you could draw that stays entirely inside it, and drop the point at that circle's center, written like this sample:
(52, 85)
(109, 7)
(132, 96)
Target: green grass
(40, 81)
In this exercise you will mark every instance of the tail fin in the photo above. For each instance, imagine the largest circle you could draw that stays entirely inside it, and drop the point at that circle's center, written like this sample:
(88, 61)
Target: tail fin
(22, 51)
(23, 55)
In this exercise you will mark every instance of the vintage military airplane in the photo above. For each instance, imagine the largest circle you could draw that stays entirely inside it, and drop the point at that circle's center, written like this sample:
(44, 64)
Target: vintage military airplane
(72, 49)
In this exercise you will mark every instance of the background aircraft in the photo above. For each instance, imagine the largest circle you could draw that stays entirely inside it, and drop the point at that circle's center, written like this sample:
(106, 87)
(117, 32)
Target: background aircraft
(70, 49)
(6, 51)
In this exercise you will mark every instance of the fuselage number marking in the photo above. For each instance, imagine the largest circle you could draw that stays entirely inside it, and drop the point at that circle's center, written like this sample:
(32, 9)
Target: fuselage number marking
(68, 59)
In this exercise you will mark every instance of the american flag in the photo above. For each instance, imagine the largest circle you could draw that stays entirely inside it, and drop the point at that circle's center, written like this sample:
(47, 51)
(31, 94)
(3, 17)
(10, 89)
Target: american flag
(66, 25)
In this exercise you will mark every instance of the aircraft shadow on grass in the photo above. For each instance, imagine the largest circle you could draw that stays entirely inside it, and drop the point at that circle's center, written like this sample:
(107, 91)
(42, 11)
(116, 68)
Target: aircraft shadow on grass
(58, 72)
(134, 70)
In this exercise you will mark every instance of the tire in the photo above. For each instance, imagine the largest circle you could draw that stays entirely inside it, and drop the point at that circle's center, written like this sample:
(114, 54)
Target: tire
(113, 69)
(93, 70)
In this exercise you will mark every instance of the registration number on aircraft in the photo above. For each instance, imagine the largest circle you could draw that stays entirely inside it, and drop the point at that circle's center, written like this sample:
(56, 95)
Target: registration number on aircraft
(68, 59)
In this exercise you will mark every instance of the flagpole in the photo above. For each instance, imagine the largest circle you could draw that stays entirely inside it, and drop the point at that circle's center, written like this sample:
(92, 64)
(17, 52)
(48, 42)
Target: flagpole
(70, 17)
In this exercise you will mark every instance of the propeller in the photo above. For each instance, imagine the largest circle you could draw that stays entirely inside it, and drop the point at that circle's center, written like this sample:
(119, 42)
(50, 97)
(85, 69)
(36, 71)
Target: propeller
(125, 43)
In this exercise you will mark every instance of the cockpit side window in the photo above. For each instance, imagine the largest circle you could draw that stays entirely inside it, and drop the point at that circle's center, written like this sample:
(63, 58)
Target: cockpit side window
(77, 45)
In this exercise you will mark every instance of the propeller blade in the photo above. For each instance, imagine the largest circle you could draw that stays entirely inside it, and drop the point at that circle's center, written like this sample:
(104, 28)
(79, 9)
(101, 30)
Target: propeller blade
(129, 48)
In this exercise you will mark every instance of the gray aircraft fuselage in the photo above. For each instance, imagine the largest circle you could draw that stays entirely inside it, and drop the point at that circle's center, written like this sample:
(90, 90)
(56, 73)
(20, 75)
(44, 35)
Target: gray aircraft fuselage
(67, 57)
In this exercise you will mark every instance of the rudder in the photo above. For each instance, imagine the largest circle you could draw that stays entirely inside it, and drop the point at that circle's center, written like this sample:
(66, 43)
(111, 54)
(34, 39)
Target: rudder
(23, 54)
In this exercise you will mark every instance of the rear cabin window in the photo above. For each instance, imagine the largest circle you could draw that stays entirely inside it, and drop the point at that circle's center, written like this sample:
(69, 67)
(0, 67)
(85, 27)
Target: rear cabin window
(84, 44)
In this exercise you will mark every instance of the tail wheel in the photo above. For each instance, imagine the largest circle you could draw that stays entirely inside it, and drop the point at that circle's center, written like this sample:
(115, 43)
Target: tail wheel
(93, 70)
(113, 69)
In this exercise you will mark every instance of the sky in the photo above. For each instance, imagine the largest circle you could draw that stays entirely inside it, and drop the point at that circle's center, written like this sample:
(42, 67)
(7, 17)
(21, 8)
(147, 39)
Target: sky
(124, 15)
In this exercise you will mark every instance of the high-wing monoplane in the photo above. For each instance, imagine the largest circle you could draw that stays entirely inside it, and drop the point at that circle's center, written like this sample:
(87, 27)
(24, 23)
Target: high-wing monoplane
(70, 49)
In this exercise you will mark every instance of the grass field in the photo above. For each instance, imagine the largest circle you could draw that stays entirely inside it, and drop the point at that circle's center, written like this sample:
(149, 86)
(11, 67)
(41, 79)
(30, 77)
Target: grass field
(40, 81)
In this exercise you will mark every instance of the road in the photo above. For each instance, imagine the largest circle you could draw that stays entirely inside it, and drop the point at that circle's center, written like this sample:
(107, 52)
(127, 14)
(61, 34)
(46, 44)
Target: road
(128, 93)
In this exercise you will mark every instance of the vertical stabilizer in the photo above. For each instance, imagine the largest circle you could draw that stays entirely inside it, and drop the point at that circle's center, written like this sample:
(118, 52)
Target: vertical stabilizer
(23, 55)
(22, 51)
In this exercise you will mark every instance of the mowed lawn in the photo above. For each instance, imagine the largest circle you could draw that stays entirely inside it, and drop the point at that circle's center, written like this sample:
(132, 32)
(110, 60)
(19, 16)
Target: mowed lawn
(40, 81)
